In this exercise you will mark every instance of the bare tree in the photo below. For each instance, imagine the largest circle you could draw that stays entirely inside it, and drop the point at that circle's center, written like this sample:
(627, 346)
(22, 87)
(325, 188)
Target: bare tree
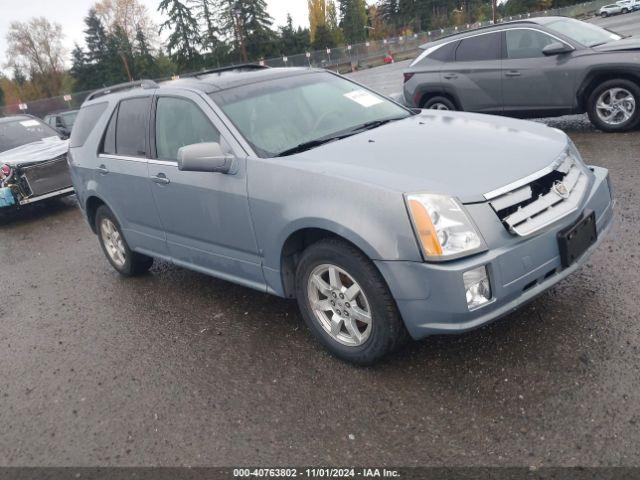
(129, 15)
(36, 47)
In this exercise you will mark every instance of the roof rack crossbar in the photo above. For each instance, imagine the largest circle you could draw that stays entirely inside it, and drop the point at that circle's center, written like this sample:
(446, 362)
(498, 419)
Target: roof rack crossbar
(146, 84)
(229, 68)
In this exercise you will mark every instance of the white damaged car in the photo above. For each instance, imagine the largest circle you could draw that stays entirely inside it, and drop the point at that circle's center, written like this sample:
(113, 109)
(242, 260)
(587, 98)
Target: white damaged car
(33, 162)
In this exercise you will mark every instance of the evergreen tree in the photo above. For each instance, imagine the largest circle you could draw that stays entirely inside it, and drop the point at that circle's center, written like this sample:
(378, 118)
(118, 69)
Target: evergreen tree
(293, 40)
(323, 39)
(184, 38)
(248, 22)
(144, 63)
(205, 11)
(353, 14)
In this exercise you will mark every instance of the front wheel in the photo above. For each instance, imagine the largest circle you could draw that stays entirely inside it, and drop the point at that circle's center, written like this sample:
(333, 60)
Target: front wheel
(604, 14)
(624, 10)
(346, 303)
(115, 248)
(613, 105)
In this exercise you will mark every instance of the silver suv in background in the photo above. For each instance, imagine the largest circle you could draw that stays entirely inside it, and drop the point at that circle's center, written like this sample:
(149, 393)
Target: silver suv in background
(540, 67)
(304, 184)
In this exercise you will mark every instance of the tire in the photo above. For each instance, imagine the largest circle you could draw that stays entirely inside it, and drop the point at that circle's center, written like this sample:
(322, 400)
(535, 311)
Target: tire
(439, 103)
(622, 85)
(385, 331)
(624, 10)
(604, 14)
(132, 263)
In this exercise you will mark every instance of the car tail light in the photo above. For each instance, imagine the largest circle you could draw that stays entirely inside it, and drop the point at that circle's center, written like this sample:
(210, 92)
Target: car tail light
(407, 77)
(5, 170)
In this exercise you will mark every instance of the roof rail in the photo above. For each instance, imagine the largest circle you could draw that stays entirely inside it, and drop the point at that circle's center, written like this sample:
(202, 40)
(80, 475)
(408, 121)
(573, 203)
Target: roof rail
(485, 27)
(230, 68)
(146, 84)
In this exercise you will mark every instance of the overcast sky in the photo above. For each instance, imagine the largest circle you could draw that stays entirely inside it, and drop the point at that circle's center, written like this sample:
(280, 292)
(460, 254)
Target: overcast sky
(70, 14)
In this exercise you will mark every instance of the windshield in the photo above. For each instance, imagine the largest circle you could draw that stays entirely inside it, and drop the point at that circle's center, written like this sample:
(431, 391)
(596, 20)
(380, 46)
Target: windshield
(584, 33)
(69, 118)
(20, 132)
(277, 115)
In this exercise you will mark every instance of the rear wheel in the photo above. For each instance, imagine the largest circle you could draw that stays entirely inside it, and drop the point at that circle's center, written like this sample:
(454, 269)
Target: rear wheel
(604, 14)
(439, 103)
(613, 106)
(625, 10)
(115, 248)
(346, 303)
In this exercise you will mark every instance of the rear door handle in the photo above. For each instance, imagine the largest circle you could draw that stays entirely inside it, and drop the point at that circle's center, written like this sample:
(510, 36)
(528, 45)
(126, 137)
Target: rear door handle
(450, 76)
(161, 179)
(513, 73)
(102, 170)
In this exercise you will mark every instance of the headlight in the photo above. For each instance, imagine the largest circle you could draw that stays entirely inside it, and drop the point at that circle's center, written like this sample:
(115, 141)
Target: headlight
(443, 228)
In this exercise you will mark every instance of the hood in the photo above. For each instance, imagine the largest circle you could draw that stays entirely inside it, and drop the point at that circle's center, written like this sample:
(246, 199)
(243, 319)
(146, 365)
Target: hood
(630, 43)
(35, 152)
(461, 154)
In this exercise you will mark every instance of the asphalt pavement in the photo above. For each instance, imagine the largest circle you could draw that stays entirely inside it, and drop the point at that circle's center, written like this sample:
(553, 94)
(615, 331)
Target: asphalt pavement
(177, 368)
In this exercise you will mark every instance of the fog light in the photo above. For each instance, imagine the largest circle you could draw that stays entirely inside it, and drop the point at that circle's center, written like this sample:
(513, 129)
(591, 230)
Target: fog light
(477, 287)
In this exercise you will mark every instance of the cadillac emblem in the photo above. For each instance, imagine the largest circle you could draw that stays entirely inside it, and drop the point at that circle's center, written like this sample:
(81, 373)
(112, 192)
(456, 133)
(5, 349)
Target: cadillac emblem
(561, 189)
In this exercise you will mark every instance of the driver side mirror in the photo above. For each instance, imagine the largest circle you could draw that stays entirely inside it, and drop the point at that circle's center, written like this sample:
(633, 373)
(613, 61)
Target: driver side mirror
(556, 48)
(204, 157)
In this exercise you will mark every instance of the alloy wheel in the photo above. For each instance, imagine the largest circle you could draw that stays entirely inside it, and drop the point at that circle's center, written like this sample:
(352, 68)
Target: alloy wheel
(615, 106)
(339, 305)
(438, 106)
(113, 242)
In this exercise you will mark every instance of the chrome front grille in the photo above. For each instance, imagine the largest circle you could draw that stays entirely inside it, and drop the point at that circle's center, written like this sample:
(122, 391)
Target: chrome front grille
(554, 193)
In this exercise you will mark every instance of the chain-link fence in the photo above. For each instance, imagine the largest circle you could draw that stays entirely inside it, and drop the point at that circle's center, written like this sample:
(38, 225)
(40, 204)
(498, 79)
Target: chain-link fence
(343, 59)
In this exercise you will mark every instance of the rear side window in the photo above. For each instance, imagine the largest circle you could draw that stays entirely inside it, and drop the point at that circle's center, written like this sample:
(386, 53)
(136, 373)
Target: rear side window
(85, 121)
(479, 48)
(131, 127)
(444, 53)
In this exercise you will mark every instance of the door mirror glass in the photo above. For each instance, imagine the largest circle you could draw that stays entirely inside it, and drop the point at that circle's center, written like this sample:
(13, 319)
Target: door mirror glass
(556, 48)
(204, 157)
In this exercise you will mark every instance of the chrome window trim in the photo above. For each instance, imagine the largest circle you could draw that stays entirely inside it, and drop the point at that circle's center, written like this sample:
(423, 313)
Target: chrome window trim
(123, 157)
(169, 163)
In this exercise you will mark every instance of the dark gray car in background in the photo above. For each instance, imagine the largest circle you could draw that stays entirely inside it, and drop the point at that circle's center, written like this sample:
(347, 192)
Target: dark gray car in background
(538, 67)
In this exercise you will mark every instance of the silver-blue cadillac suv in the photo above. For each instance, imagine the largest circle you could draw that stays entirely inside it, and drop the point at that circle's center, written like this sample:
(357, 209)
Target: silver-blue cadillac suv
(384, 223)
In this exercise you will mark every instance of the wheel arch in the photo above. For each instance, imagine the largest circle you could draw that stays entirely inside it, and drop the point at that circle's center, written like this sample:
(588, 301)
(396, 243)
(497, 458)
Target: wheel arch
(600, 75)
(301, 237)
(426, 96)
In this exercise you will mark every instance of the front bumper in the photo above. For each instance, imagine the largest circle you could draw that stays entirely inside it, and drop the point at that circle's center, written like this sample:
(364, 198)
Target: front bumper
(431, 297)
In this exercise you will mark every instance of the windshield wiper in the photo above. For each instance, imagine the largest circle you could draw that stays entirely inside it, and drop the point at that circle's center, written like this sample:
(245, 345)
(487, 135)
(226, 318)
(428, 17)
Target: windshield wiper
(330, 138)
(310, 144)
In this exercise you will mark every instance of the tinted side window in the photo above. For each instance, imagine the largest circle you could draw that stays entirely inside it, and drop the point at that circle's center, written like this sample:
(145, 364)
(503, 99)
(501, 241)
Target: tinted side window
(523, 43)
(481, 47)
(180, 122)
(109, 142)
(444, 53)
(85, 121)
(131, 127)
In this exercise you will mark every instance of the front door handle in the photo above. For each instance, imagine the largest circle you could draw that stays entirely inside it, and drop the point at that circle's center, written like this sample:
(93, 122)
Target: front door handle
(102, 170)
(161, 179)
(513, 73)
(450, 76)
